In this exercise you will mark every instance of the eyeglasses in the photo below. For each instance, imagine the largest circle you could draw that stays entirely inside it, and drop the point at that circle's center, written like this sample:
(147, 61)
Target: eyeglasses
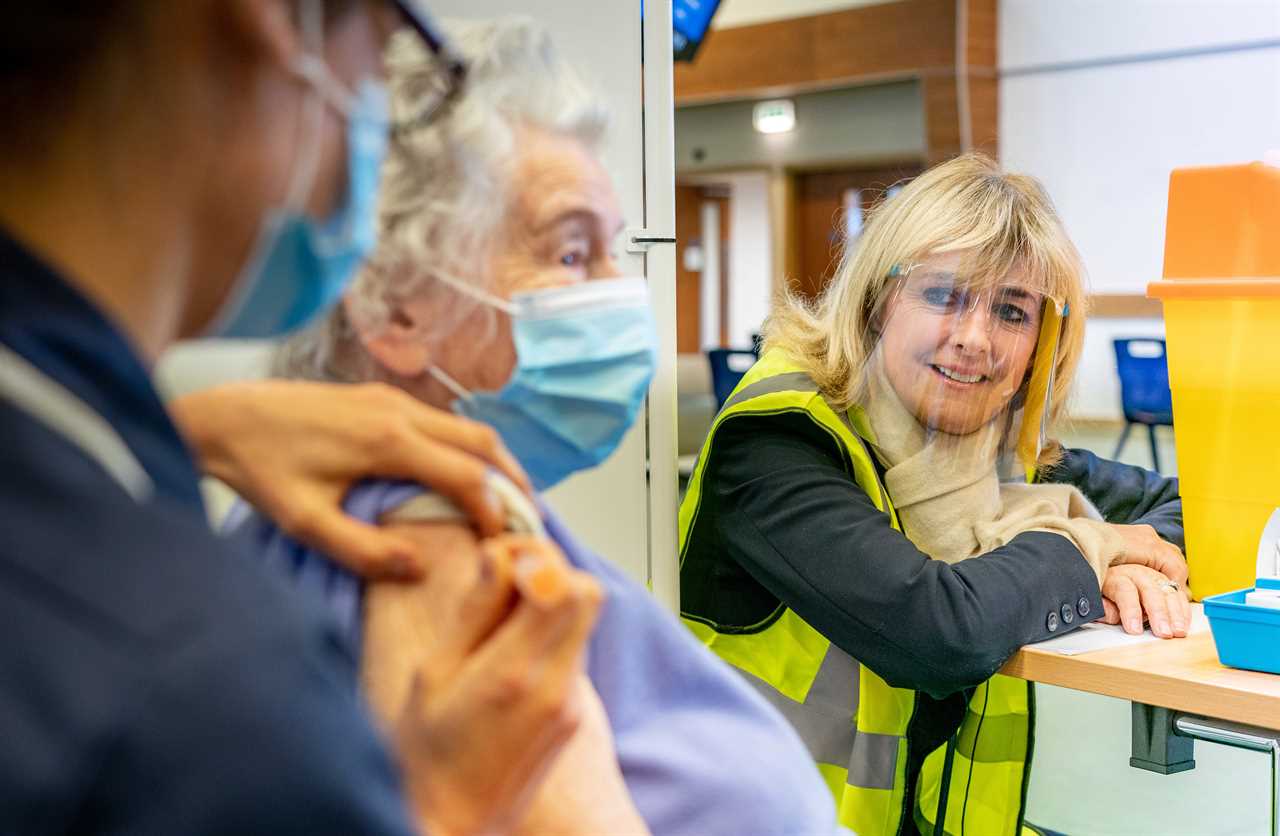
(445, 85)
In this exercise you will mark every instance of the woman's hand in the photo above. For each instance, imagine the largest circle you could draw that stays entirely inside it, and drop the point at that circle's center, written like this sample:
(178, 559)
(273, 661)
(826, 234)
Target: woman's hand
(1129, 591)
(1143, 547)
(293, 449)
(500, 693)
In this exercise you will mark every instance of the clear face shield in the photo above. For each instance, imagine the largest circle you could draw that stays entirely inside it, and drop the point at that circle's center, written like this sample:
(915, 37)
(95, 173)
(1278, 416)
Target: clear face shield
(960, 380)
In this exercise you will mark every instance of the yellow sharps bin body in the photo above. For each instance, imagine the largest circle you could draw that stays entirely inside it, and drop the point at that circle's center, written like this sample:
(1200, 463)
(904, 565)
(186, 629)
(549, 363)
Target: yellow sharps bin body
(1221, 295)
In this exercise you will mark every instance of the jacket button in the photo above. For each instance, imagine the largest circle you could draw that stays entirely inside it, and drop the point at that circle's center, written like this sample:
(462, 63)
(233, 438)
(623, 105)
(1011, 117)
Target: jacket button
(1051, 623)
(1082, 606)
(1067, 615)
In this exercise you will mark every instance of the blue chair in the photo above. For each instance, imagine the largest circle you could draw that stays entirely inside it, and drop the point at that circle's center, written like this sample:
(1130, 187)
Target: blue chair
(1144, 389)
(728, 365)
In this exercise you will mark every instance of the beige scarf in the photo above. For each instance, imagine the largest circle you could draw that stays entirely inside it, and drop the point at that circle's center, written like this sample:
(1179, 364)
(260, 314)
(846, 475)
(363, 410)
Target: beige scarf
(949, 498)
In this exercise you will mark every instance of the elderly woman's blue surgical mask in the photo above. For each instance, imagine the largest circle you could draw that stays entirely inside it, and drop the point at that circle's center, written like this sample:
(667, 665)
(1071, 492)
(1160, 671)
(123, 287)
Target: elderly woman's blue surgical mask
(299, 266)
(584, 359)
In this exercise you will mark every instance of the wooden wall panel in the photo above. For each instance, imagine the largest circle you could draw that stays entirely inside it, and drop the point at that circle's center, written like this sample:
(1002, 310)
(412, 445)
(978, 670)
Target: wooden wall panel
(731, 61)
(885, 39)
(984, 115)
(868, 44)
(1124, 306)
(688, 282)
(941, 117)
(860, 45)
(981, 61)
(982, 33)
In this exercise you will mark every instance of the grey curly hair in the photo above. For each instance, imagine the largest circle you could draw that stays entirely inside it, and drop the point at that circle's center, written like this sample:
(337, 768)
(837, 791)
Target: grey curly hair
(444, 189)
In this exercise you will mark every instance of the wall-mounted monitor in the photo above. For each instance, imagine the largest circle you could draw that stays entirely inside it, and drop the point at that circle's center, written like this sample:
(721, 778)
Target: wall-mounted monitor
(690, 19)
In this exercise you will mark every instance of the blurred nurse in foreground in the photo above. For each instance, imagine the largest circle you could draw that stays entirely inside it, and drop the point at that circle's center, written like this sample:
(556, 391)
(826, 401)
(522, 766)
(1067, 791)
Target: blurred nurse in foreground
(172, 168)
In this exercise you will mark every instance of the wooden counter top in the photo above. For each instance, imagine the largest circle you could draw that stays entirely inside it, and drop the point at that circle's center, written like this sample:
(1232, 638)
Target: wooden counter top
(1182, 674)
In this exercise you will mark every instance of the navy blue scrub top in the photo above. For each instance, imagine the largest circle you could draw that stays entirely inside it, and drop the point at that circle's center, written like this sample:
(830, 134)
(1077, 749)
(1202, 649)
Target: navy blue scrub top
(153, 679)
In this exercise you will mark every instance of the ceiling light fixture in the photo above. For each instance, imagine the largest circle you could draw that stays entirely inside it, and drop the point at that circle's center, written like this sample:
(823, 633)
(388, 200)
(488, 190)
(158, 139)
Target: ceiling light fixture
(775, 116)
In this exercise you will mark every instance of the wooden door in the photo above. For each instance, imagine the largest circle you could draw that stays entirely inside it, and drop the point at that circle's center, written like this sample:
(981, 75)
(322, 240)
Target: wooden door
(688, 282)
(690, 203)
(829, 207)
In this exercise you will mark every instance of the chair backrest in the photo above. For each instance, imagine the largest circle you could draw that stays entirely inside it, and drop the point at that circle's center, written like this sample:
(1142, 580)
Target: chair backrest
(728, 365)
(1144, 380)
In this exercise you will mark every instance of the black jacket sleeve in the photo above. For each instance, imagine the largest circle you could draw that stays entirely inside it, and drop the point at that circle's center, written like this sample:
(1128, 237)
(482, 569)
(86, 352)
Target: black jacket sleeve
(787, 511)
(1124, 493)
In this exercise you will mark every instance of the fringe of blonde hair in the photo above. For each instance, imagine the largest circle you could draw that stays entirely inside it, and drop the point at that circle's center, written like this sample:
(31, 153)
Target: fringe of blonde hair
(1000, 220)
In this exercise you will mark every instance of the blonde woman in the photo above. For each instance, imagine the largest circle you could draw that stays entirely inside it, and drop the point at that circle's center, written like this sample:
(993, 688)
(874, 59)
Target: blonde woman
(855, 540)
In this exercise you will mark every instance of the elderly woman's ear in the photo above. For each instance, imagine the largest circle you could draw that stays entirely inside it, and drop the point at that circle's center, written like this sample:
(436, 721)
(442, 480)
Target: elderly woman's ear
(399, 345)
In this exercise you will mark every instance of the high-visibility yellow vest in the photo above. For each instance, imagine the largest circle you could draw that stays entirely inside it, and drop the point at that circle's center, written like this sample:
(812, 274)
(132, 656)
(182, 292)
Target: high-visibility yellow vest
(853, 722)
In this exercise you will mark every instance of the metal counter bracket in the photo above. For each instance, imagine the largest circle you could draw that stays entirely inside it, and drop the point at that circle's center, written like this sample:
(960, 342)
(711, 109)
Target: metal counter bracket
(1163, 740)
(1157, 746)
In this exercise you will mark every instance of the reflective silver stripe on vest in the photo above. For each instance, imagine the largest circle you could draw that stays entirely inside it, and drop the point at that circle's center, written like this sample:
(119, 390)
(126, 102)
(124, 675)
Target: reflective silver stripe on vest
(825, 722)
(828, 737)
(789, 382)
(835, 686)
(874, 761)
(53, 405)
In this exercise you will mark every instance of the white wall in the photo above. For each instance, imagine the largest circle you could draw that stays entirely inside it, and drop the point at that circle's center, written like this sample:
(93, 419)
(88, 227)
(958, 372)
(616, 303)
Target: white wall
(750, 255)
(1097, 391)
(750, 263)
(709, 277)
(1036, 33)
(1102, 99)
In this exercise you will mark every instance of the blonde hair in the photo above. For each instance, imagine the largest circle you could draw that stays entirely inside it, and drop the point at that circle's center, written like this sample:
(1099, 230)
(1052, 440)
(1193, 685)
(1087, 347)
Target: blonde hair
(1000, 220)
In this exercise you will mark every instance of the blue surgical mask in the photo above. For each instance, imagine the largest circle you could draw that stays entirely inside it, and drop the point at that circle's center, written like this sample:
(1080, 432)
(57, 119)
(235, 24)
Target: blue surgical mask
(299, 266)
(584, 359)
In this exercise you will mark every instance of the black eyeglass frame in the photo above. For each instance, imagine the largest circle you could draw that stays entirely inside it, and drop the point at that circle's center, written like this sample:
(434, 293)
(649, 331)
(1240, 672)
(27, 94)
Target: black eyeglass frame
(453, 66)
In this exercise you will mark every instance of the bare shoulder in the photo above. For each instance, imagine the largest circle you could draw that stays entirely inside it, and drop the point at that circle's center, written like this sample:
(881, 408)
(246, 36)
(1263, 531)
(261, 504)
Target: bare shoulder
(404, 622)
(439, 541)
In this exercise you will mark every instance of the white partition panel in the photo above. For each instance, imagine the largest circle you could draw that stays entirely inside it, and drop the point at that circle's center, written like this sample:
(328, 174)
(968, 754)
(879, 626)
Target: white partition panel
(660, 268)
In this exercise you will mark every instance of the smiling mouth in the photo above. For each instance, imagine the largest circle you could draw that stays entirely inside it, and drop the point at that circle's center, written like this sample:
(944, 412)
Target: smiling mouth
(956, 377)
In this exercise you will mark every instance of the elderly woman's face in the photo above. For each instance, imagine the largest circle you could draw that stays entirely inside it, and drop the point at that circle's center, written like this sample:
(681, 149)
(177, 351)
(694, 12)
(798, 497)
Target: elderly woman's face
(561, 226)
(955, 356)
(562, 221)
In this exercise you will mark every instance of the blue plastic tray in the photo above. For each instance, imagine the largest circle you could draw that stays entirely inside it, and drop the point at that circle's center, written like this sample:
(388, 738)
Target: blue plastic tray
(1246, 637)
